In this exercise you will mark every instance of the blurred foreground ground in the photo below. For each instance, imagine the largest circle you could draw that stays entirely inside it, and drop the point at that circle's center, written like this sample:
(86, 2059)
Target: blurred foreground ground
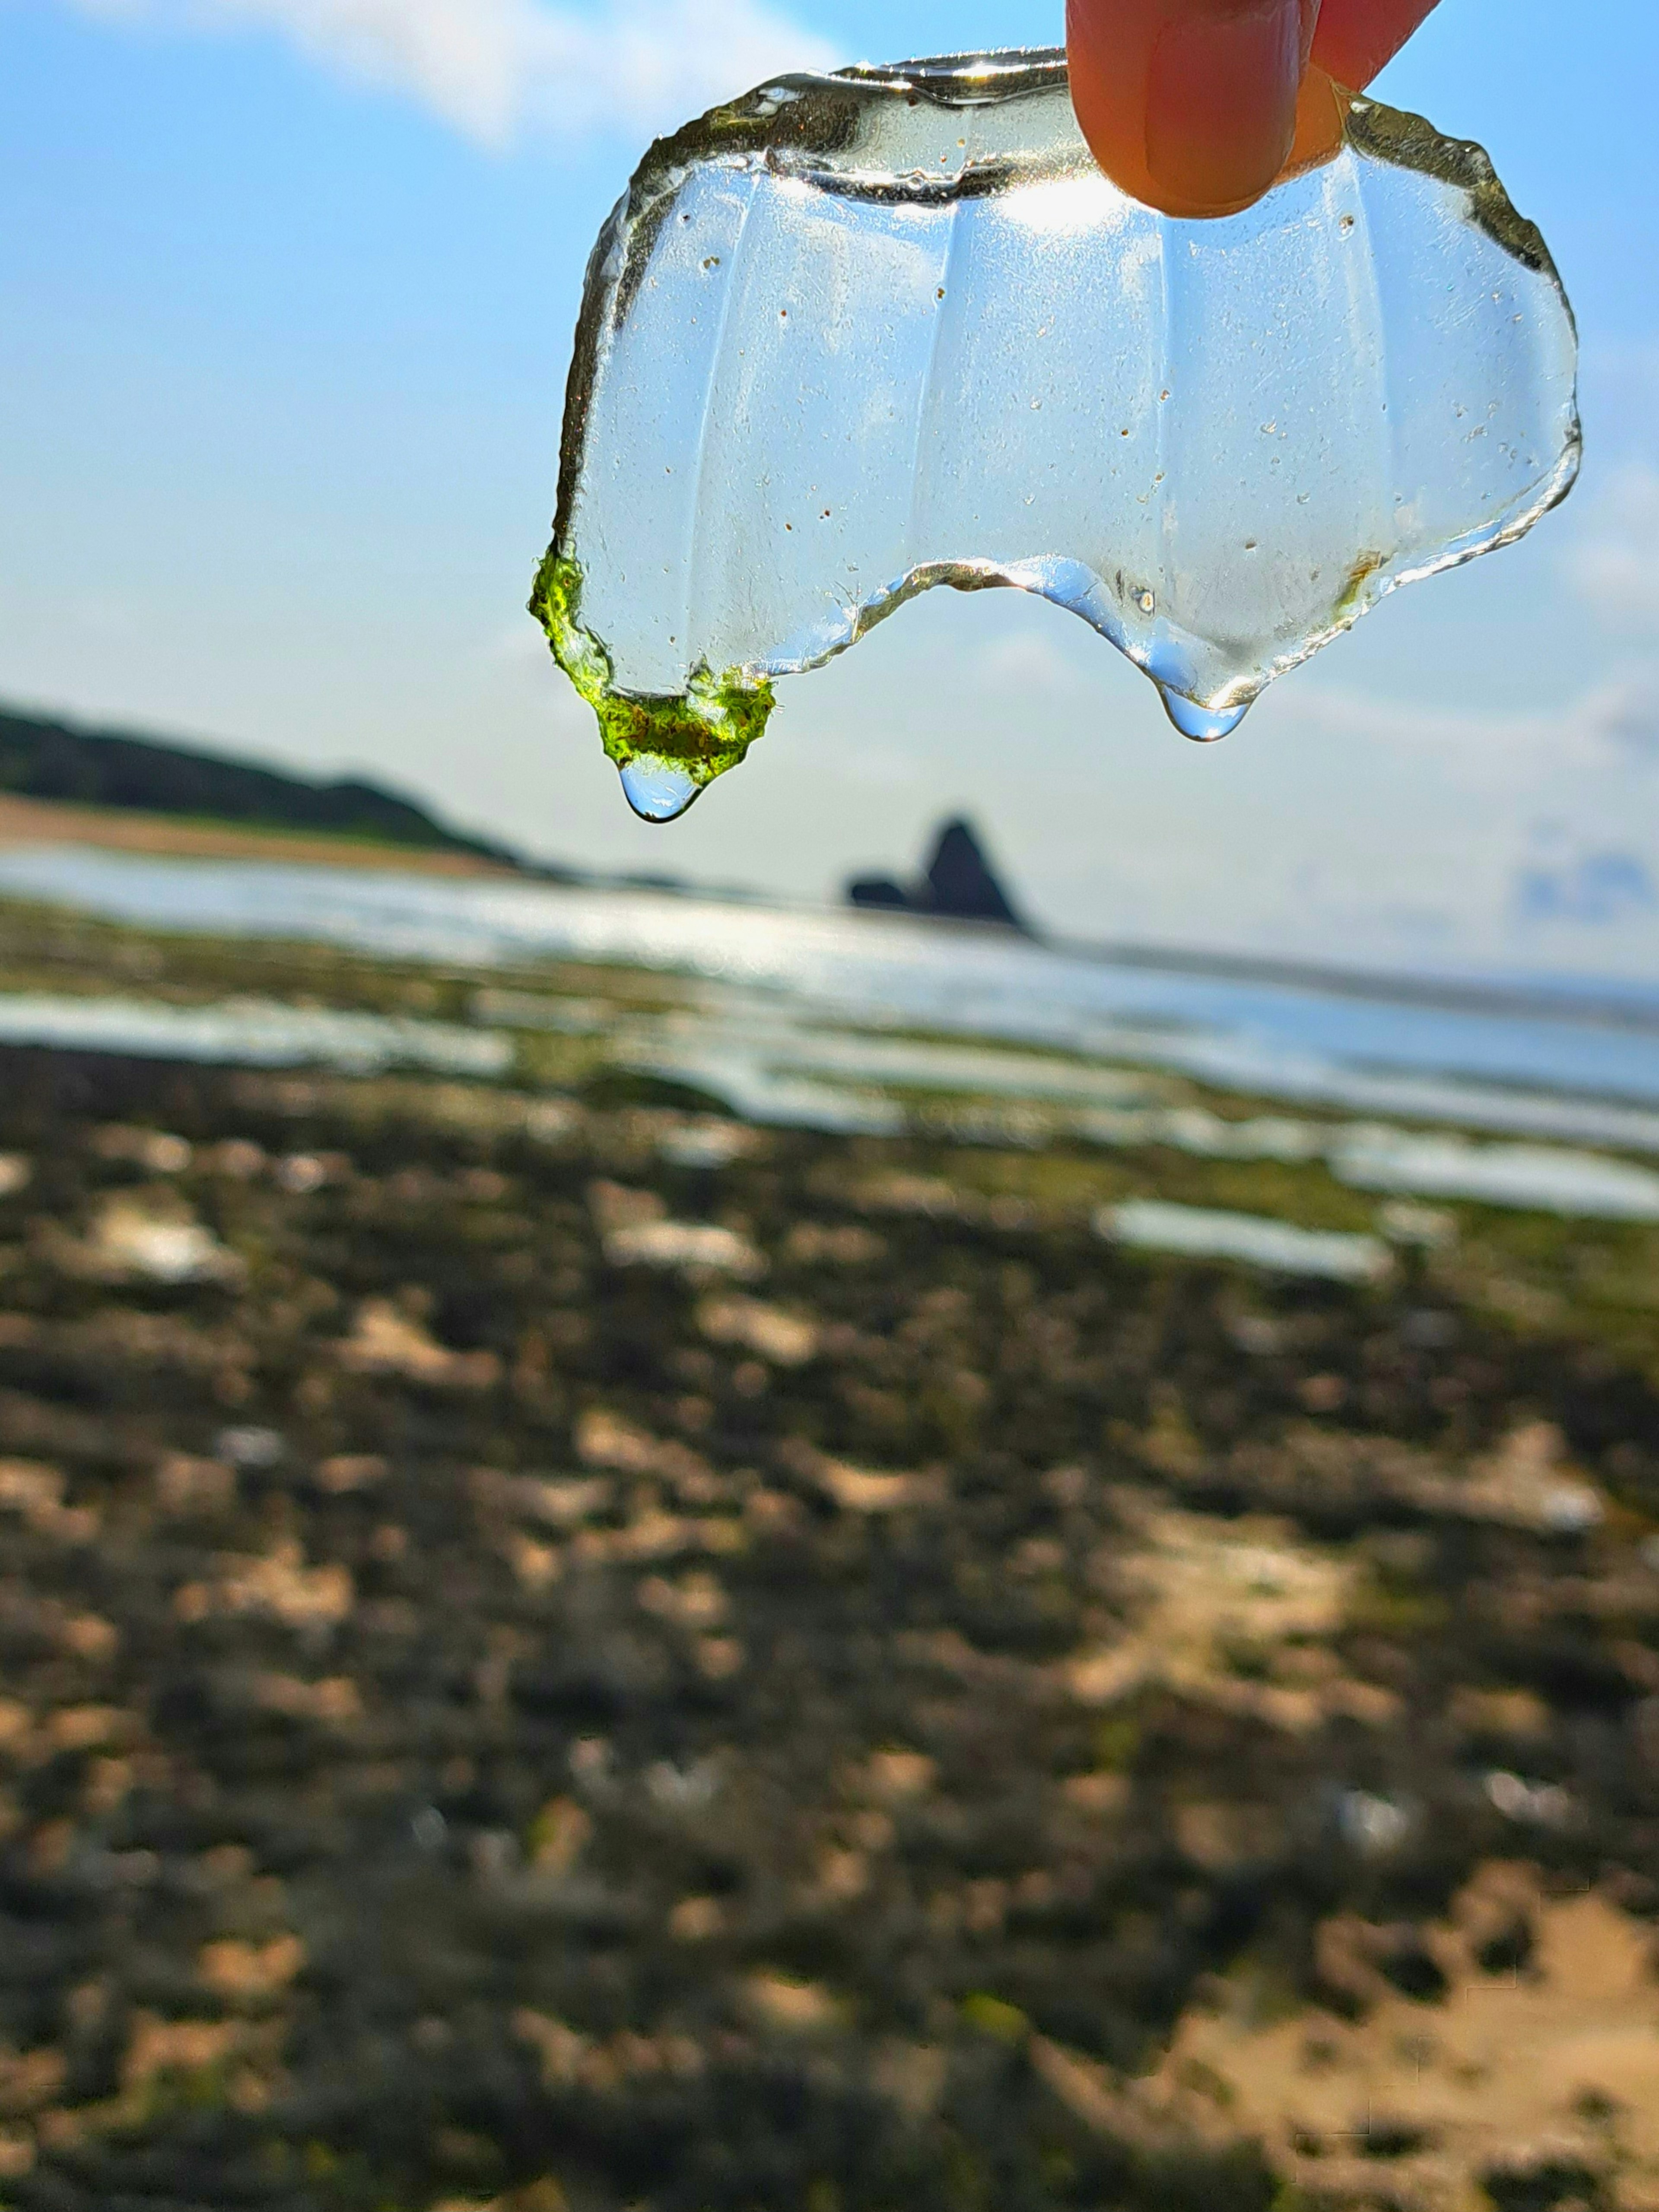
(563, 1652)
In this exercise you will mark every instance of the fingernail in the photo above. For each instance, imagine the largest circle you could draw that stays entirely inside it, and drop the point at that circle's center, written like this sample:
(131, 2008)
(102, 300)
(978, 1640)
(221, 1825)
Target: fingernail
(1221, 102)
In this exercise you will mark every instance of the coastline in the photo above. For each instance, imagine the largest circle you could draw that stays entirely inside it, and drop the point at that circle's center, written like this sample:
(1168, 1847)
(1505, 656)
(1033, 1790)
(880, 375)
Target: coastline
(120, 830)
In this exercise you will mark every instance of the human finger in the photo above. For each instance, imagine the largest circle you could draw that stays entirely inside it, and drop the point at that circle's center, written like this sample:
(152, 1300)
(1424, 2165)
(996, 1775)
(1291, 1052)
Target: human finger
(1355, 38)
(1196, 106)
(1189, 104)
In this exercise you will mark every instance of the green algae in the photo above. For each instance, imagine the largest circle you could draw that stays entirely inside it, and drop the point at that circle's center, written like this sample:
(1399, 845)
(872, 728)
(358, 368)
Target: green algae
(703, 731)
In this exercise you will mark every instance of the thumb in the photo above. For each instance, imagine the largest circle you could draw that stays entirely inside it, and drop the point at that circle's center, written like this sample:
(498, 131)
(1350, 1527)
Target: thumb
(1192, 104)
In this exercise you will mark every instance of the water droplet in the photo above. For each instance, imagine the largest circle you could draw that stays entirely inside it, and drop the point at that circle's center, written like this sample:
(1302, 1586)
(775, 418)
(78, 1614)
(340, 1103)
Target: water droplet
(1203, 724)
(658, 790)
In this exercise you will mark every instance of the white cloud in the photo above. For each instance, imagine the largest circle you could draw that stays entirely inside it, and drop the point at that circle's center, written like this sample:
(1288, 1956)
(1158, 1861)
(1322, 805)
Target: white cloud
(1029, 660)
(1624, 715)
(501, 69)
(1603, 733)
(1615, 563)
(1461, 745)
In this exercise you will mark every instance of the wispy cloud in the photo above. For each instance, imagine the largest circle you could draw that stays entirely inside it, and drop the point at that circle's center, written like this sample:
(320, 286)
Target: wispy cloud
(1615, 563)
(499, 70)
(1604, 732)
(1027, 660)
(1623, 714)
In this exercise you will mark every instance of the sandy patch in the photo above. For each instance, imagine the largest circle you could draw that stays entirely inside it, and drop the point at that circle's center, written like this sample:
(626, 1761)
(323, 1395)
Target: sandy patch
(1238, 1613)
(1551, 2064)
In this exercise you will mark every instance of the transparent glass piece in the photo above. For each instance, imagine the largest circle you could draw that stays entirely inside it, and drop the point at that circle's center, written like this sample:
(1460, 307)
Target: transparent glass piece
(854, 336)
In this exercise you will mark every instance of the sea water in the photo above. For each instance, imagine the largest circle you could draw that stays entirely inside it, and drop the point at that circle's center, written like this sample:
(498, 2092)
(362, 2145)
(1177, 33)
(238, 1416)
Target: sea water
(840, 999)
(857, 334)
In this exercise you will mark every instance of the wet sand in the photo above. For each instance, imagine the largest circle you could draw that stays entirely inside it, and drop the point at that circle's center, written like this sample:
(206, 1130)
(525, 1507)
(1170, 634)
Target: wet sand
(39, 822)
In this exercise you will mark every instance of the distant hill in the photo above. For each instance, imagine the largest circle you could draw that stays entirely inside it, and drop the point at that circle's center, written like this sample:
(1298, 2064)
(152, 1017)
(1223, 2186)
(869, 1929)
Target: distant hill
(57, 761)
(959, 884)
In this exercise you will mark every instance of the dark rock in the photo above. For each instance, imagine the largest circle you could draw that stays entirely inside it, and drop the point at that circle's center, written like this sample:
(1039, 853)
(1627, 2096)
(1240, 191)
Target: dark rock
(878, 891)
(959, 885)
(962, 883)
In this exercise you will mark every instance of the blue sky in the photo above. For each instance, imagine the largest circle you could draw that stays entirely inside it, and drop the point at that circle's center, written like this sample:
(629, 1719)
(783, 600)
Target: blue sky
(286, 294)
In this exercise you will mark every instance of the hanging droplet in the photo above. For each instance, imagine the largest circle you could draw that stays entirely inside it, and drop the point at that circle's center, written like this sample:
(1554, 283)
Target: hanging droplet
(1204, 725)
(658, 790)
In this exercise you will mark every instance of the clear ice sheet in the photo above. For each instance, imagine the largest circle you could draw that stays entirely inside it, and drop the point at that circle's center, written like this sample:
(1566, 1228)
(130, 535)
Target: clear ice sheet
(854, 336)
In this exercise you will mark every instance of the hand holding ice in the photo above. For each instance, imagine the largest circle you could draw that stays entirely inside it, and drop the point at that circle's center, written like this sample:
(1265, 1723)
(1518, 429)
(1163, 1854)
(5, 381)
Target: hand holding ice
(854, 336)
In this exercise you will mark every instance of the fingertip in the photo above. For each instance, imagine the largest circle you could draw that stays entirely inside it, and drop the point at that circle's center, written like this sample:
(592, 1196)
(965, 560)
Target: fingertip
(1221, 103)
(1356, 37)
(1107, 50)
(1191, 106)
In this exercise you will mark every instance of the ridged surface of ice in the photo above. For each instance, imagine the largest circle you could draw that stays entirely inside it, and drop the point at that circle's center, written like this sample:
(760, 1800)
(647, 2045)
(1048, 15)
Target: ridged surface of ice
(854, 336)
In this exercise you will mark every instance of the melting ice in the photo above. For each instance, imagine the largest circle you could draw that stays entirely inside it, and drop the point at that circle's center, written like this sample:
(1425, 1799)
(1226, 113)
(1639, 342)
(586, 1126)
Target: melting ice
(857, 334)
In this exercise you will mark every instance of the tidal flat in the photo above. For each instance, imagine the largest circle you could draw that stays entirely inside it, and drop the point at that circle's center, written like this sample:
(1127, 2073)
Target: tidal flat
(565, 1650)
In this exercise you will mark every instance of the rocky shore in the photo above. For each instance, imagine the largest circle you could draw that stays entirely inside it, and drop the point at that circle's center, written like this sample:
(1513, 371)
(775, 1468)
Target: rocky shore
(563, 1652)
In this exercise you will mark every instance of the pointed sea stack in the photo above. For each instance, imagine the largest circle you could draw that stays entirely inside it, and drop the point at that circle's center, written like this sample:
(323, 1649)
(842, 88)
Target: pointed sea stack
(961, 880)
(959, 885)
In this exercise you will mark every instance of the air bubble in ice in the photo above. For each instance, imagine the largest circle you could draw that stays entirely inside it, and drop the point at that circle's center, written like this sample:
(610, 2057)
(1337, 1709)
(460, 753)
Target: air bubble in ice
(850, 368)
